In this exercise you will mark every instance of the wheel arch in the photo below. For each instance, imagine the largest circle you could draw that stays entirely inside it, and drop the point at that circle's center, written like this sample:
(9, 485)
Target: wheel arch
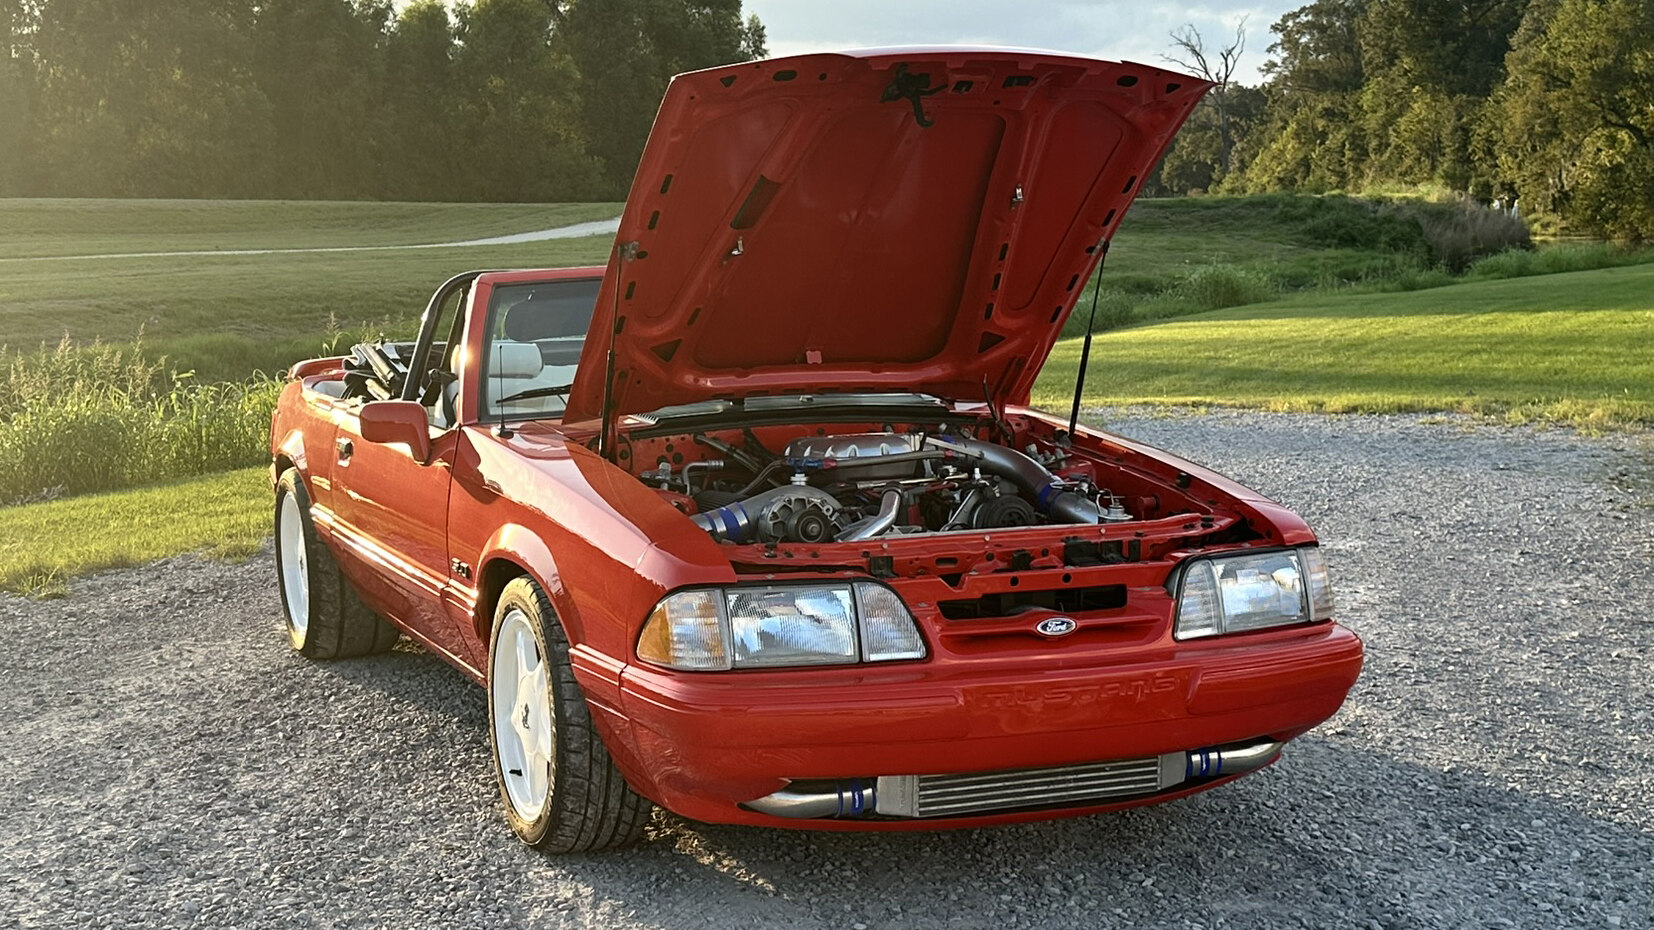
(282, 462)
(279, 466)
(512, 552)
(290, 451)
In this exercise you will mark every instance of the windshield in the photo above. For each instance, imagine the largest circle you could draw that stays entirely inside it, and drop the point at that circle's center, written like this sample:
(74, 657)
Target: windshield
(535, 332)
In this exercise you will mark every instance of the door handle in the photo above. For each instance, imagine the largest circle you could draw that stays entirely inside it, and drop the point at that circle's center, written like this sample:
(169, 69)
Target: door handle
(346, 449)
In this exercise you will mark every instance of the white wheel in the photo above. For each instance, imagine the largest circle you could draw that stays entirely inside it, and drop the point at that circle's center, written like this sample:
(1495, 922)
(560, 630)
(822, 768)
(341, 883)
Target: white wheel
(561, 789)
(524, 728)
(324, 617)
(295, 572)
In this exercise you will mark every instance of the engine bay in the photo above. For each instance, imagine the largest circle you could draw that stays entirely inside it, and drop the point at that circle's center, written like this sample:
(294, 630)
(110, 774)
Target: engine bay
(809, 485)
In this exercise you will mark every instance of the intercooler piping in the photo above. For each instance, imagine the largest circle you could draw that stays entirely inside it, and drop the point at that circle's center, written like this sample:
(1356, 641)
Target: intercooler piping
(851, 798)
(890, 507)
(1045, 488)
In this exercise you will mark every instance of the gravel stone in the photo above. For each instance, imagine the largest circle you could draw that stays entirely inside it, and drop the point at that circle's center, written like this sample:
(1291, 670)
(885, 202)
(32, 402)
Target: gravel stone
(170, 762)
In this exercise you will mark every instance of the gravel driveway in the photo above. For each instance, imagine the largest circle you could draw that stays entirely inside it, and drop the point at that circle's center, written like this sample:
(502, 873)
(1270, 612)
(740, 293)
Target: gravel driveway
(168, 761)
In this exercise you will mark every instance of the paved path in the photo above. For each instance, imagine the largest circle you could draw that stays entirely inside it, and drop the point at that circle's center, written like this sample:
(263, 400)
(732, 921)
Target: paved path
(576, 231)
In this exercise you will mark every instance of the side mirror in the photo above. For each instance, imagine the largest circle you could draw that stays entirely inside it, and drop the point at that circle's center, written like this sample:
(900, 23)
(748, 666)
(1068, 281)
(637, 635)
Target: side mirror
(401, 421)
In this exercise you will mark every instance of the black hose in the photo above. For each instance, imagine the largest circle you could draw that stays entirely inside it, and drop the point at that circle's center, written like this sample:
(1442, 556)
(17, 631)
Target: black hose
(763, 475)
(712, 500)
(729, 451)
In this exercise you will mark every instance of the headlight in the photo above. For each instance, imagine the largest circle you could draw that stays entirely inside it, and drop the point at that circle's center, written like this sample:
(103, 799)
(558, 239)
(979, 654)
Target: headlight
(768, 626)
(792, 626)
(1253, 592)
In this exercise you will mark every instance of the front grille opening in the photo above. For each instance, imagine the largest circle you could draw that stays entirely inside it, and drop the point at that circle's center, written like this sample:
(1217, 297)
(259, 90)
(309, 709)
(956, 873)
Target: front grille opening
(1066, 600)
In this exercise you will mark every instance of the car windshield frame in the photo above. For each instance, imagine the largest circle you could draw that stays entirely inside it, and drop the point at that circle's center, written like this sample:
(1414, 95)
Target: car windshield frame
(559, 348)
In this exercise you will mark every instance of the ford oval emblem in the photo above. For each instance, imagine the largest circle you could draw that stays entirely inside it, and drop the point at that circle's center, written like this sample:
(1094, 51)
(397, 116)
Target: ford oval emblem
(1056, 626)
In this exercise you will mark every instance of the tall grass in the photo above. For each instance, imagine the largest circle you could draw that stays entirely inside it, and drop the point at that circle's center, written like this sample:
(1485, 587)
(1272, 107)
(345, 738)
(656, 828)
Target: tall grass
(1337, 221)
(1334, 244)
(1563, 257)
(98, 418)
(1460, 233)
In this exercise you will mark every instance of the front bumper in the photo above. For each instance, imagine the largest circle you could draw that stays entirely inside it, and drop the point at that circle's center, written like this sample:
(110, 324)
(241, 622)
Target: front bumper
(702, 745)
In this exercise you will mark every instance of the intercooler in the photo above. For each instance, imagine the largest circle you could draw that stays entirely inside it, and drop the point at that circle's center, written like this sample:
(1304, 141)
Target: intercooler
(983, 792)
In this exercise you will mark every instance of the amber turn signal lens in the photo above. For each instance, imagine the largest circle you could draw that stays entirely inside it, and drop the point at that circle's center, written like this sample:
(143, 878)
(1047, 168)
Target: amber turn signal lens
(685, 631)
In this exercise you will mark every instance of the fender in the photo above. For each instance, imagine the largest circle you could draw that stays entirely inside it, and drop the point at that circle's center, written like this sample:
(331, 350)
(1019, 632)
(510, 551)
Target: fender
(299, 410)
(292, 446)
(319, 487)
(598, 674)
(515, 543)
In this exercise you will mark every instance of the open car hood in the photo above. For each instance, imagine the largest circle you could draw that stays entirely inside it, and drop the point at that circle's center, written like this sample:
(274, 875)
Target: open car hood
(901, 219)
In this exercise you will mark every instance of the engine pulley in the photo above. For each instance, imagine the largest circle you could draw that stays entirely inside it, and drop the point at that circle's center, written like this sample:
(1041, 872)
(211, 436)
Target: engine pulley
(1003, 511)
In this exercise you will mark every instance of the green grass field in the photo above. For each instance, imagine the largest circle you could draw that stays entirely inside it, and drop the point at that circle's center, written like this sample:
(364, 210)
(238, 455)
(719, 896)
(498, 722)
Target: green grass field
(42, 546)
(1191, 231)
(1570, 348)
(1574, 348)
(224, 317)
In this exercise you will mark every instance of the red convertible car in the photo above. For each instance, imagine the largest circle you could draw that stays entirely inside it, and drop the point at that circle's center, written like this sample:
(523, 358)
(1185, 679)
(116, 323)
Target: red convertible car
(755, 523)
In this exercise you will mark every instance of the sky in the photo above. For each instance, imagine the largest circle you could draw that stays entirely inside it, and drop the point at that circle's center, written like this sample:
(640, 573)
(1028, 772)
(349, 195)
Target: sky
(1114, 29)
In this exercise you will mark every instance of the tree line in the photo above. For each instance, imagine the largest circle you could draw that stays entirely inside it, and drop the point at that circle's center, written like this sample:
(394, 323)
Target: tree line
(495, 100)
(1547, 104)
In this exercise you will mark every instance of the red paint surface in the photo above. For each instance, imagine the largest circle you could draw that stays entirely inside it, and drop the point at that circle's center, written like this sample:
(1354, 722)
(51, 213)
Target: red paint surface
(887, 254)
(429, 543)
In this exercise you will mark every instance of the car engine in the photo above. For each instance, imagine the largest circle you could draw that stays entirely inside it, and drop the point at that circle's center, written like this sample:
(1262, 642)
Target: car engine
(855, 487)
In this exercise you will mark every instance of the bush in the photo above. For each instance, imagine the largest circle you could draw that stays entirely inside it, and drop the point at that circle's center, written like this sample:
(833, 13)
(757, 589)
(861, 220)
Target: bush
(1572, 256)
(1416, 279)
(101, 418)
(1340, 268)
(1450, 234)
(1135, 284)
(1208, 287)
(1336, 221)
(1214, 287)
(1115, 308)
(1512, 263)
(1459, 233)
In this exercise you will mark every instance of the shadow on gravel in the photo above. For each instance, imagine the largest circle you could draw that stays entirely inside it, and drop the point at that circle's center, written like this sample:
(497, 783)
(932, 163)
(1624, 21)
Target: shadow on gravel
(1422, 847)
(1336, 834)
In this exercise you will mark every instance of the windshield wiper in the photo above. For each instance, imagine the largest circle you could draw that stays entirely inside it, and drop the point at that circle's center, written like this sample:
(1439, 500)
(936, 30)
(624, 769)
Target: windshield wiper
(556, 391)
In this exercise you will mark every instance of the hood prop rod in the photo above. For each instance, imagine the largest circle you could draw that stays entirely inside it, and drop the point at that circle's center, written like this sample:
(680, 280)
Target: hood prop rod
(997, 414)
(1085, 349)
(624, 253)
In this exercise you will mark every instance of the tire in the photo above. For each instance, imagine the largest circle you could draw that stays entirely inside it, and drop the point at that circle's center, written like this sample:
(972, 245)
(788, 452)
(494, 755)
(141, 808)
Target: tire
(561, 790)
(324, 617)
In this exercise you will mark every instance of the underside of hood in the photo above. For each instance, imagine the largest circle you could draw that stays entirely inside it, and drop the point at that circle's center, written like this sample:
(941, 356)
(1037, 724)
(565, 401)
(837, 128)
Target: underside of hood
(909, 219)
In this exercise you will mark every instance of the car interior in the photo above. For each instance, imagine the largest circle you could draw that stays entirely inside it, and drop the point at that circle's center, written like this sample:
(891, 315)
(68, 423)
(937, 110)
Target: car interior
(536, 332)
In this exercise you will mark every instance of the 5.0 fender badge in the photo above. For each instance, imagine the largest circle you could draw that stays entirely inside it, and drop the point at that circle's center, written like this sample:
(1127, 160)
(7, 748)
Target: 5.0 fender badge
(1056, 626)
